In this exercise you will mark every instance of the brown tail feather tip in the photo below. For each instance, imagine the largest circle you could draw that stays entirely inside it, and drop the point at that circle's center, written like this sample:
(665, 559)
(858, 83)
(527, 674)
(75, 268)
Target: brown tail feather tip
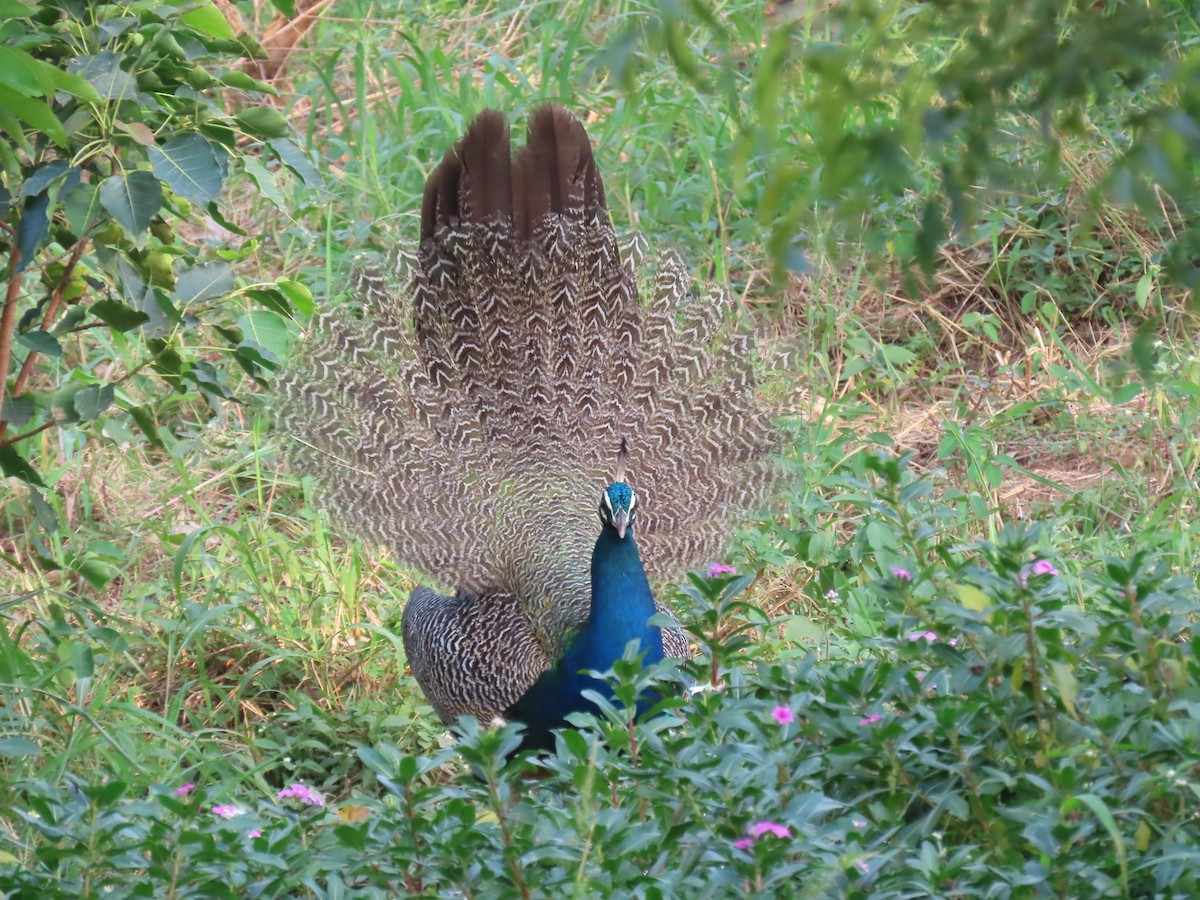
(479, 179)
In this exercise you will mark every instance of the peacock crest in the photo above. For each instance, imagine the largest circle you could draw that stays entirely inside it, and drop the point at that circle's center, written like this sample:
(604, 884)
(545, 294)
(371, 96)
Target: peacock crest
(462, 410)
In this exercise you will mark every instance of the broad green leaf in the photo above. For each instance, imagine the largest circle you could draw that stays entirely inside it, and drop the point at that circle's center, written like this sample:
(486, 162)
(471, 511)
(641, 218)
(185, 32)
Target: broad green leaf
(264, 122)
(103, 71)
(287, 7)
(72, 84)
(208, 19)
(23, 74)
(93, 400)
(32, 230)
(204, 282)
(801, 628)
(41, 342)
(294, 157)
(266, 329)
(14, 9)
(36, 113)
(18, 746)
(144, 417)
(971, 597)
(17, 411)
(44, 512)
(14, 465)
(43, 177)
(1066, 684)
(133, 199)
(190, 166)
(299, 294)
(265, 181)
(82, 208)
(118, 315)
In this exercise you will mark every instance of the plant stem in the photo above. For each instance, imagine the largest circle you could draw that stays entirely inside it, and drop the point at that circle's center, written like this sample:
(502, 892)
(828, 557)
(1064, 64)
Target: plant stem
(8, 322)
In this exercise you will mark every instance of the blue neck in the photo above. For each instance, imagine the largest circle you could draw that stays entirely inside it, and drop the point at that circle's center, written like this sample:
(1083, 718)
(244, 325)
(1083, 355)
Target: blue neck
(621, 608)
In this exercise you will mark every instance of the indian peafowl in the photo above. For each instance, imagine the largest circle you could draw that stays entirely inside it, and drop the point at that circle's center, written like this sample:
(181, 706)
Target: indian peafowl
(465, 410)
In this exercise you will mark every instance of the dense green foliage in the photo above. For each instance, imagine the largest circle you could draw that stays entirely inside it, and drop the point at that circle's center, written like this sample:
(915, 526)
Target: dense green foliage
(116, 138)
(910, 691)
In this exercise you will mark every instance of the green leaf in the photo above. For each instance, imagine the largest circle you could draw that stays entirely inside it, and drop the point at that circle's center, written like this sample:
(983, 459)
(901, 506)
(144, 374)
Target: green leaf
(103, 71)
(299, 294)
(82, 208)
(1066, 684)
(208, 19)
(190, 166)
(1097, 806)
(14, 465)
(264, 122)
(204, 282)
(133, 199)
(93, 400)
(23, 74)
(292, 156)
(36, 113)
(41, 342)
(18, 746)
(32, 230)
(144, 417)
(265, 181)
(118, 315)
(14, 9)
(70, 83)
(43, 511)
(971, 597)
(244, 82)
(287, 7)
(266, 329)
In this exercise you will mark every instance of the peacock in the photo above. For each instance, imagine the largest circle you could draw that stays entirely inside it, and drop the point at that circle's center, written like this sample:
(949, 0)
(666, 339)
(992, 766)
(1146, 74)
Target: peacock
(490, 391)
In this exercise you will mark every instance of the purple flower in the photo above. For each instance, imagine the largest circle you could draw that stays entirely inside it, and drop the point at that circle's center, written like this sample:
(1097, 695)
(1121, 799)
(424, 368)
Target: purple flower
(870, 720)
(303, 793)
(716, 570)
(923, 636)
(184, 789)
(226, 811)
(759, 829)
(1044, 567)
(902, 574)
(783, 715)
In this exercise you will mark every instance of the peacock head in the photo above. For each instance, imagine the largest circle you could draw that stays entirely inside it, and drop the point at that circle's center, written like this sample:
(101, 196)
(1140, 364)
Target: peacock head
(618, 506)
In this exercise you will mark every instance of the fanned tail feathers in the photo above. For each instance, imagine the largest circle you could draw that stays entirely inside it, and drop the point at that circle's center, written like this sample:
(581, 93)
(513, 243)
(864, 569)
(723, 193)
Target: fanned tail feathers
(465, 412)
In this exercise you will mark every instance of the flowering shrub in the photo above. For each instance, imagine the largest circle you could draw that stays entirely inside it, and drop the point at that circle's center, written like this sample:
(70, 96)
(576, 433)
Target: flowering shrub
(1011, 730)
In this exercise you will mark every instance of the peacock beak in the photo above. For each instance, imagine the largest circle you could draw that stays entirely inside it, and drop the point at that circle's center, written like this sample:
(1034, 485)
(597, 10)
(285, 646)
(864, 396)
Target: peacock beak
(621, 522)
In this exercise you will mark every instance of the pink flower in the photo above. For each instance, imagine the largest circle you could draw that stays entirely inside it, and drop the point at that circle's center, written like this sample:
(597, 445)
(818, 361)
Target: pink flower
(1044, 567)
(254, 833)
(902, 574)
(783, 715)
(759, 829)
(226, 811)
(303, 793)
(923, 635)
(716, 570)
(870, 720)
(184, 789)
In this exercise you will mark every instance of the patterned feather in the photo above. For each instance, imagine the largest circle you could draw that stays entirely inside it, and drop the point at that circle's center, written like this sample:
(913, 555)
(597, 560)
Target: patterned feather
(467, 410)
